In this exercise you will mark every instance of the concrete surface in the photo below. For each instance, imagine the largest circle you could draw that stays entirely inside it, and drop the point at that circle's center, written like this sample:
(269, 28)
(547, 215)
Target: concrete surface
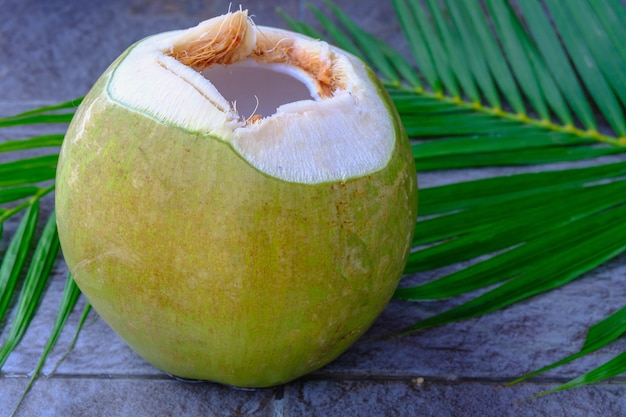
(51, 51)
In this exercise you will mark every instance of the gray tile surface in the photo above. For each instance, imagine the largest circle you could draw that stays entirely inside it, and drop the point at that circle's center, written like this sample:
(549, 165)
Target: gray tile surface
(446, 399)
(51, 51)
(136, 396)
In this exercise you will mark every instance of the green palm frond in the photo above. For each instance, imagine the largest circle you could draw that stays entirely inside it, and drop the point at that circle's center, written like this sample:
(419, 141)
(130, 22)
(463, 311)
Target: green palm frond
(486, 84)
(68, 301)
(30, 255)
(497, 86)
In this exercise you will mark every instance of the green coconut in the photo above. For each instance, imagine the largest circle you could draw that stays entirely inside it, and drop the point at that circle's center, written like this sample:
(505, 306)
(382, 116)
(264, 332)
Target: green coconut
(237, 202)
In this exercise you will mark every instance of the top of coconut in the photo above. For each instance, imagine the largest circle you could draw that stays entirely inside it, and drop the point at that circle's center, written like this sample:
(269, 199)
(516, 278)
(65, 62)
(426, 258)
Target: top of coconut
(339, 128)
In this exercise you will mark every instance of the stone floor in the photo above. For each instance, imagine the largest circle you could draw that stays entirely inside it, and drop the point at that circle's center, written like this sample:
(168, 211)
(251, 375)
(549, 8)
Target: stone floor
(52, 51)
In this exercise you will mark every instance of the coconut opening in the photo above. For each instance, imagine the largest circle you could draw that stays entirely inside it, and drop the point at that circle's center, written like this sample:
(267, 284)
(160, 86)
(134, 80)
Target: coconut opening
(257, 90)
(256, 70)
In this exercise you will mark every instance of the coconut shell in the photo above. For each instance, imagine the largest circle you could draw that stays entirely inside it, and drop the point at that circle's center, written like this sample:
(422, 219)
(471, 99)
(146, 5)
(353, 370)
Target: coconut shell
(211, 269)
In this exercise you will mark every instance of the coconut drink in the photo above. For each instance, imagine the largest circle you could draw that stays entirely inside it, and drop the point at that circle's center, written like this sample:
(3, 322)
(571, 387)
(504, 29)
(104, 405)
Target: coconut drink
(237, 202)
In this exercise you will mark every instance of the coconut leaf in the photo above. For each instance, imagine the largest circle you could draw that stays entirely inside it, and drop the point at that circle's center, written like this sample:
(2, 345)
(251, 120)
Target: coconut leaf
(58, 113)
(389, 63)
(15, 257)
(556, 60)
(471, 97)
(598, 336)
(68, 301)
(612, 368)
(574, 240)
(32, 143)
(297, 26)
(591, 247)
(504, 86)
(478, 232)
(570, 22)
(34, 285)
(36, 119)
(28, 171)
(24, 181)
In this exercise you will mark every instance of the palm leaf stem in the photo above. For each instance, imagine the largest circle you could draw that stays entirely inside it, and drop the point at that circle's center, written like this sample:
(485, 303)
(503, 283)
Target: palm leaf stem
(81, 323)
(398, 94)
(38, 195)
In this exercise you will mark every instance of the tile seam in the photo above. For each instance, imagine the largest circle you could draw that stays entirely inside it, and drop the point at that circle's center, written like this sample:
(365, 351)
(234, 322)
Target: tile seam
(325, 378)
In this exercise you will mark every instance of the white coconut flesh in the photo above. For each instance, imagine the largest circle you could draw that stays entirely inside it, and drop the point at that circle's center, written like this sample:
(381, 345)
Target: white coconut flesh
(294, 108)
